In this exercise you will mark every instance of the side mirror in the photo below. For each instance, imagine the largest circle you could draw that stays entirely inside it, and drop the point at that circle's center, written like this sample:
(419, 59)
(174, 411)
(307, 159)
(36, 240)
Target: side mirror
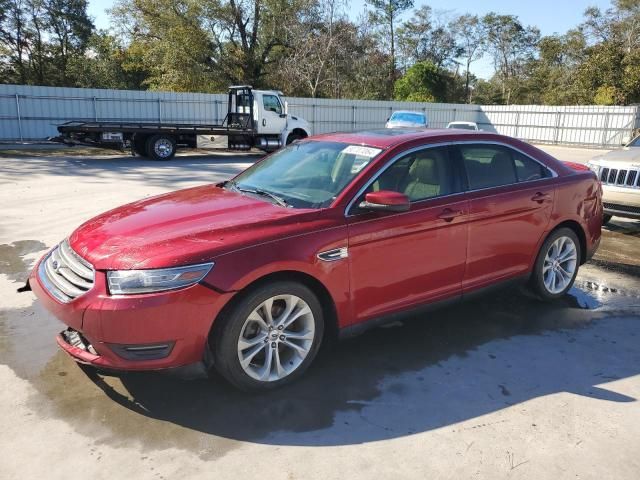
(386, 201)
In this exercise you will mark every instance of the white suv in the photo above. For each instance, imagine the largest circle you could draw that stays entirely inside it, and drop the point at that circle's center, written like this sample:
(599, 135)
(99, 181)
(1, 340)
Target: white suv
(619, 173)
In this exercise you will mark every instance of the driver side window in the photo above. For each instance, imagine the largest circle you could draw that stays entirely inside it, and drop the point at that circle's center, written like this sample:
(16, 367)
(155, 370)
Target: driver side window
(420, 175)
(271, 103)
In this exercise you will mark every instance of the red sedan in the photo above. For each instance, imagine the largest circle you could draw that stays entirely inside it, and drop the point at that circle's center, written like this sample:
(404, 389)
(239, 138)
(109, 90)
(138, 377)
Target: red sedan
(322, 239)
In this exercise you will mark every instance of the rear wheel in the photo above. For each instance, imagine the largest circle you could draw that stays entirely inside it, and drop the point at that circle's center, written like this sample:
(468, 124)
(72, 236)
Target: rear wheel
(270, 337)
(557, 264)
(160, 147)
(606, 218)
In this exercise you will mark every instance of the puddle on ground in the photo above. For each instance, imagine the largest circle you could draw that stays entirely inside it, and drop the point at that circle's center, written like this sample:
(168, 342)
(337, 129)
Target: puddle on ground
(210, 418)
(578, 298)
(12, 262)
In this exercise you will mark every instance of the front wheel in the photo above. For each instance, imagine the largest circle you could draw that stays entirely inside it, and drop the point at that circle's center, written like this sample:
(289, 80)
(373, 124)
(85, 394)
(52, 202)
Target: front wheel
(557, 264)
(293, 137)
(270, 337)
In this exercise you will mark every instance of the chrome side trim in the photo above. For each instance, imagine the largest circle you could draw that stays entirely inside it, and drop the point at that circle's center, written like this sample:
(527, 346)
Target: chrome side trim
(397, 157)
(334, 254)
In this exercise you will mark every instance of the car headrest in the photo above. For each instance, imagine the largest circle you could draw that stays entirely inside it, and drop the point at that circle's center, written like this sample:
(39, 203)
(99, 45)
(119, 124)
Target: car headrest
(423, 170)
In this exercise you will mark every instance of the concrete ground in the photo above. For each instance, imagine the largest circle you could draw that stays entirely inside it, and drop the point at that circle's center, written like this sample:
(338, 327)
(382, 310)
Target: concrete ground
(502, 387)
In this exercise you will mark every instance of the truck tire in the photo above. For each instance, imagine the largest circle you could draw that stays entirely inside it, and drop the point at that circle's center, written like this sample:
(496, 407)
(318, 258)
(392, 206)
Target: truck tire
(293, 137)
(161, 147)
(140, 145)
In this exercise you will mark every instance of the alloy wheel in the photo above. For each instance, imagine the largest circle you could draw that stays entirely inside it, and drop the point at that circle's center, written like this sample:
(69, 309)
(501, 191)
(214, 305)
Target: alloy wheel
(163, 148)
(276, 338)
(560, 265)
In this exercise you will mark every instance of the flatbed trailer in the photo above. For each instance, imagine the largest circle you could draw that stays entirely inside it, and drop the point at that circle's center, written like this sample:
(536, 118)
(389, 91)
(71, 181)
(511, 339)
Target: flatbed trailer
(255, 119)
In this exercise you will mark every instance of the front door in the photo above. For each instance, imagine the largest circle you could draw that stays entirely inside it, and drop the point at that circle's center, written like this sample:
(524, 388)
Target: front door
(399, 260)
(273, 119)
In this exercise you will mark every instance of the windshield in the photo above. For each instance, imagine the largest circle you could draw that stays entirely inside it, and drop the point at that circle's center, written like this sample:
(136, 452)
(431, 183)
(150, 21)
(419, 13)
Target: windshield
(463, 126)
(307, 174)
(407, 117)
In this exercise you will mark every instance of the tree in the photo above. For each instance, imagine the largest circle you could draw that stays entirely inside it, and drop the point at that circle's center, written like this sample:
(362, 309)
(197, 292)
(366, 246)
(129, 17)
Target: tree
(421, 83)
(512, 46)
(107, 64)
(316, 46)
(471, 38)
(169, 42)
(428, 37)
(13, 35)
(386, 13)
(70, 27)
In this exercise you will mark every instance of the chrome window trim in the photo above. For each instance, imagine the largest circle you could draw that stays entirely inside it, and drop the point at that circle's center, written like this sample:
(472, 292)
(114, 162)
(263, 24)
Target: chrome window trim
(400, 155)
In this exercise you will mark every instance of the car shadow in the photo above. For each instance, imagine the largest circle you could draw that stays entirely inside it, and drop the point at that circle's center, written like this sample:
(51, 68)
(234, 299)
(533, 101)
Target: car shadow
(428, 372)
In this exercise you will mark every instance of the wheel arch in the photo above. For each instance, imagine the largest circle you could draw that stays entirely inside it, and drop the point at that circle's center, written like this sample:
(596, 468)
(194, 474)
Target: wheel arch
(301, 132)
(579, 231)
(327, 302)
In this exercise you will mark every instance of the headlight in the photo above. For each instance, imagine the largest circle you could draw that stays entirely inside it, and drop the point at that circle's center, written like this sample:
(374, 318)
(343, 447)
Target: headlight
(123, 282)
(593, 167)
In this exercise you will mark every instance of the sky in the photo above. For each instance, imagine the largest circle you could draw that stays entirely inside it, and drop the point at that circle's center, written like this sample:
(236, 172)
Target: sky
(550, 16)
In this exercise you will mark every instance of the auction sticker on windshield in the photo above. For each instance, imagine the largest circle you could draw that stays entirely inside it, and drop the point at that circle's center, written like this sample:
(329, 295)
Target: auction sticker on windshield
(361, 151)
(363, 156)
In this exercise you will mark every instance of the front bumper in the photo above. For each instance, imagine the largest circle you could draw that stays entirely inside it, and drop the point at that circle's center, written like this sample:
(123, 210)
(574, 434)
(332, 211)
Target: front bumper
(127, 332)
(621, 201)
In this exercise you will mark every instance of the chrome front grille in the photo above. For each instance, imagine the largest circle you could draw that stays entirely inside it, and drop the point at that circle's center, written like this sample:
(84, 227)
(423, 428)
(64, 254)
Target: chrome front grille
(620, 177)
(65, 274)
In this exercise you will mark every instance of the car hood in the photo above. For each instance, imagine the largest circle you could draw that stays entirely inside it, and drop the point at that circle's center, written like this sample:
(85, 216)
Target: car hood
(183, 227)
(627, 155)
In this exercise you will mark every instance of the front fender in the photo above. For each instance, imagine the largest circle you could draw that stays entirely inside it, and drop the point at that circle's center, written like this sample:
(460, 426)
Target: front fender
(235, 271)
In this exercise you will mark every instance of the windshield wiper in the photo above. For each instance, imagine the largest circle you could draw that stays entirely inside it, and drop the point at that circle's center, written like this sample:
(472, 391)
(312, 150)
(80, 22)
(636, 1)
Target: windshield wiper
(279, 200)
(256, 191)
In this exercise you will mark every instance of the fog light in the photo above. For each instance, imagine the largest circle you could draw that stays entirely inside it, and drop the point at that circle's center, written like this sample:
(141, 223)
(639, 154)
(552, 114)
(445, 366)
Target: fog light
(154, 351)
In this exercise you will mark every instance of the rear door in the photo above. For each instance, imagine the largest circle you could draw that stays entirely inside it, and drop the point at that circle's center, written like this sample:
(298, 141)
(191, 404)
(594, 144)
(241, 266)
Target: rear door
(510, 203)
(402, 259)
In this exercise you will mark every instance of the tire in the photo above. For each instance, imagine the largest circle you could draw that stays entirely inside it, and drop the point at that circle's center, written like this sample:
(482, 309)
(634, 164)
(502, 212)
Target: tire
(606, 218)
(160, 147)
(249, 319)
(140, 145)
(557, 264)
(293, 137)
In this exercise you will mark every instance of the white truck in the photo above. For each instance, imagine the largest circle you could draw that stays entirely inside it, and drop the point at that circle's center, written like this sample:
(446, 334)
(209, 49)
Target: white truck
(255, 119)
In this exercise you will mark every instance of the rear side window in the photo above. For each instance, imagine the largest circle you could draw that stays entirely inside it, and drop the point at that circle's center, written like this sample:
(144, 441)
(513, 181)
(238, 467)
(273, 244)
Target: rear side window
(528, 169)
(494, 165)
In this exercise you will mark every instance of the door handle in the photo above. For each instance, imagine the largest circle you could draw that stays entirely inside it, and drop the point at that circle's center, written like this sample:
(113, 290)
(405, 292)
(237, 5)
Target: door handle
(447, 214)
(540, 197)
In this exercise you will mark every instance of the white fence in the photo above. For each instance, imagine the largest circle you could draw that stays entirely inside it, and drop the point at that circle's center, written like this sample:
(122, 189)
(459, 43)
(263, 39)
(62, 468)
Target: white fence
(32, 113)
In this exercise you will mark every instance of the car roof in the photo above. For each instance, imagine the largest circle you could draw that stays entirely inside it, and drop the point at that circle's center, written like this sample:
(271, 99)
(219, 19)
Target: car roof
(388, 137)
(462, 122)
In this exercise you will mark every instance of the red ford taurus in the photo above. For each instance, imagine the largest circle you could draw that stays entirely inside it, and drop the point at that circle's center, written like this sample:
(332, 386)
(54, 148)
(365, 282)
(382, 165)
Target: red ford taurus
(324, 238)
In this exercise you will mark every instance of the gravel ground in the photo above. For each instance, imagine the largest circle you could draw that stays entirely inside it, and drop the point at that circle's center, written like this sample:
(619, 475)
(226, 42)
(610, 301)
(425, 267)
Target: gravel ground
(502, 387)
